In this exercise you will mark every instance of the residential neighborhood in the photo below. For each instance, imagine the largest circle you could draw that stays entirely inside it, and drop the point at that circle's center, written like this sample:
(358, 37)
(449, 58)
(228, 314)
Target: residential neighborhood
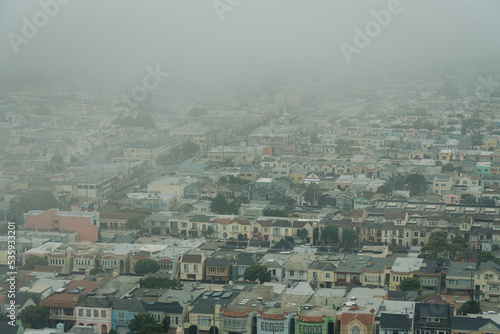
(250, 167)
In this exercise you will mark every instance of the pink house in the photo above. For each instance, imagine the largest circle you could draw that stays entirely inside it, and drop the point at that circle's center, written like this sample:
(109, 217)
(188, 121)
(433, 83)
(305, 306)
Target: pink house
(86, 224)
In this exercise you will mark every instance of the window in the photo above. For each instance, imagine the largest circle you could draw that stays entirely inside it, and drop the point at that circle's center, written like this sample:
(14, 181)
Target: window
(328, 275)
(195, 268)
(186, 267)
(355, 330)
(88, 313)
(80, 312)
(292, 273)
(204, 321)
(96, 313)
(121, 316)
(103, 313)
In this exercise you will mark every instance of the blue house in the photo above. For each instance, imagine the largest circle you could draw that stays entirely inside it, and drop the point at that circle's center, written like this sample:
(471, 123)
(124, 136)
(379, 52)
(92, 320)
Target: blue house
(123, 311)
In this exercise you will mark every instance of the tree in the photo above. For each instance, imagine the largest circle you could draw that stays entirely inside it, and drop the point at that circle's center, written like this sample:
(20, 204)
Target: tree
(330, 233)
(112, 331)
(141, 320)
(35, 317)
(312, 193)
(35, 200)
(414, 242)
(145, 266)
(257, 272)
(241, 236)
(33, 261)
(395, 182)
(410, 283)
(274, 213)
(155, 231)
(439, 247)
(460, 240)
(289, 239)
(470, 307)
(220, 205)
(209, 231)
(314, 139)
(189, 149)
(166, 323)
(213, 330)
(417, 184)
(474, 129)
(95, 271)
(159, 282)
(349, 236)
(449, 167)
(483, 257)
(345, 123)
(302, 233)
(134, 223)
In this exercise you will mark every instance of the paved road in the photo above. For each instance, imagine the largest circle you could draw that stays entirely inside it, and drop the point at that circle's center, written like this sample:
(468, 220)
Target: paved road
(150, 176)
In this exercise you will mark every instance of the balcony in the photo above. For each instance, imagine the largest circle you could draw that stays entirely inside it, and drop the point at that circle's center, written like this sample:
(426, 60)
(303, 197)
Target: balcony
(62, 317)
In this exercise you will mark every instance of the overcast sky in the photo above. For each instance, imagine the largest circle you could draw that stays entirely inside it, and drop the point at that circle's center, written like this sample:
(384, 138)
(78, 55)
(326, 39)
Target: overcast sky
(117, 39)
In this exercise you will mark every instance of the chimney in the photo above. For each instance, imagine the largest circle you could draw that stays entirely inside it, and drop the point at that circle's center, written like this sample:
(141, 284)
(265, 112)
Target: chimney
(60, 327)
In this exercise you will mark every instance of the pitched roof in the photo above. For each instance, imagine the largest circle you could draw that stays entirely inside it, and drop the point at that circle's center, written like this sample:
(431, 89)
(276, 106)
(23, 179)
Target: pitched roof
(471, 324)
(217, 262)
(394, 321)
(365, 318)
(191, 258)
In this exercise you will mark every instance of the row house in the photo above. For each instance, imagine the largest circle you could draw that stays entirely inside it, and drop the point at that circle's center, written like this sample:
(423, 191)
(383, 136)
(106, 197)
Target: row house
(191, 267)
(218, 269)
(322, 273)
(432, 274)
(94, 311)
(271, 323)
(297, 268)
(350, 269)
(403, 268)
(62, 302)
(432, 318)
(460, 277)
(487, 280)
(474, 323)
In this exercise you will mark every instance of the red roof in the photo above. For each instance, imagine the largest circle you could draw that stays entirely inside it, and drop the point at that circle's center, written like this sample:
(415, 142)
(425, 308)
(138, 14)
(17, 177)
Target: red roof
(66, 299)
(235, 313)
(304, 318)
(365, 318)
(273, 316)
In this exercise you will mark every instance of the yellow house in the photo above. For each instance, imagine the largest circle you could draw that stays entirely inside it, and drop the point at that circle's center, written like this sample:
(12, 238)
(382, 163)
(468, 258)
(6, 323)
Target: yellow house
(238, 226)
(489, 141)
(445, 155)
(403, 268)
(297, 177)
(322, 272)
